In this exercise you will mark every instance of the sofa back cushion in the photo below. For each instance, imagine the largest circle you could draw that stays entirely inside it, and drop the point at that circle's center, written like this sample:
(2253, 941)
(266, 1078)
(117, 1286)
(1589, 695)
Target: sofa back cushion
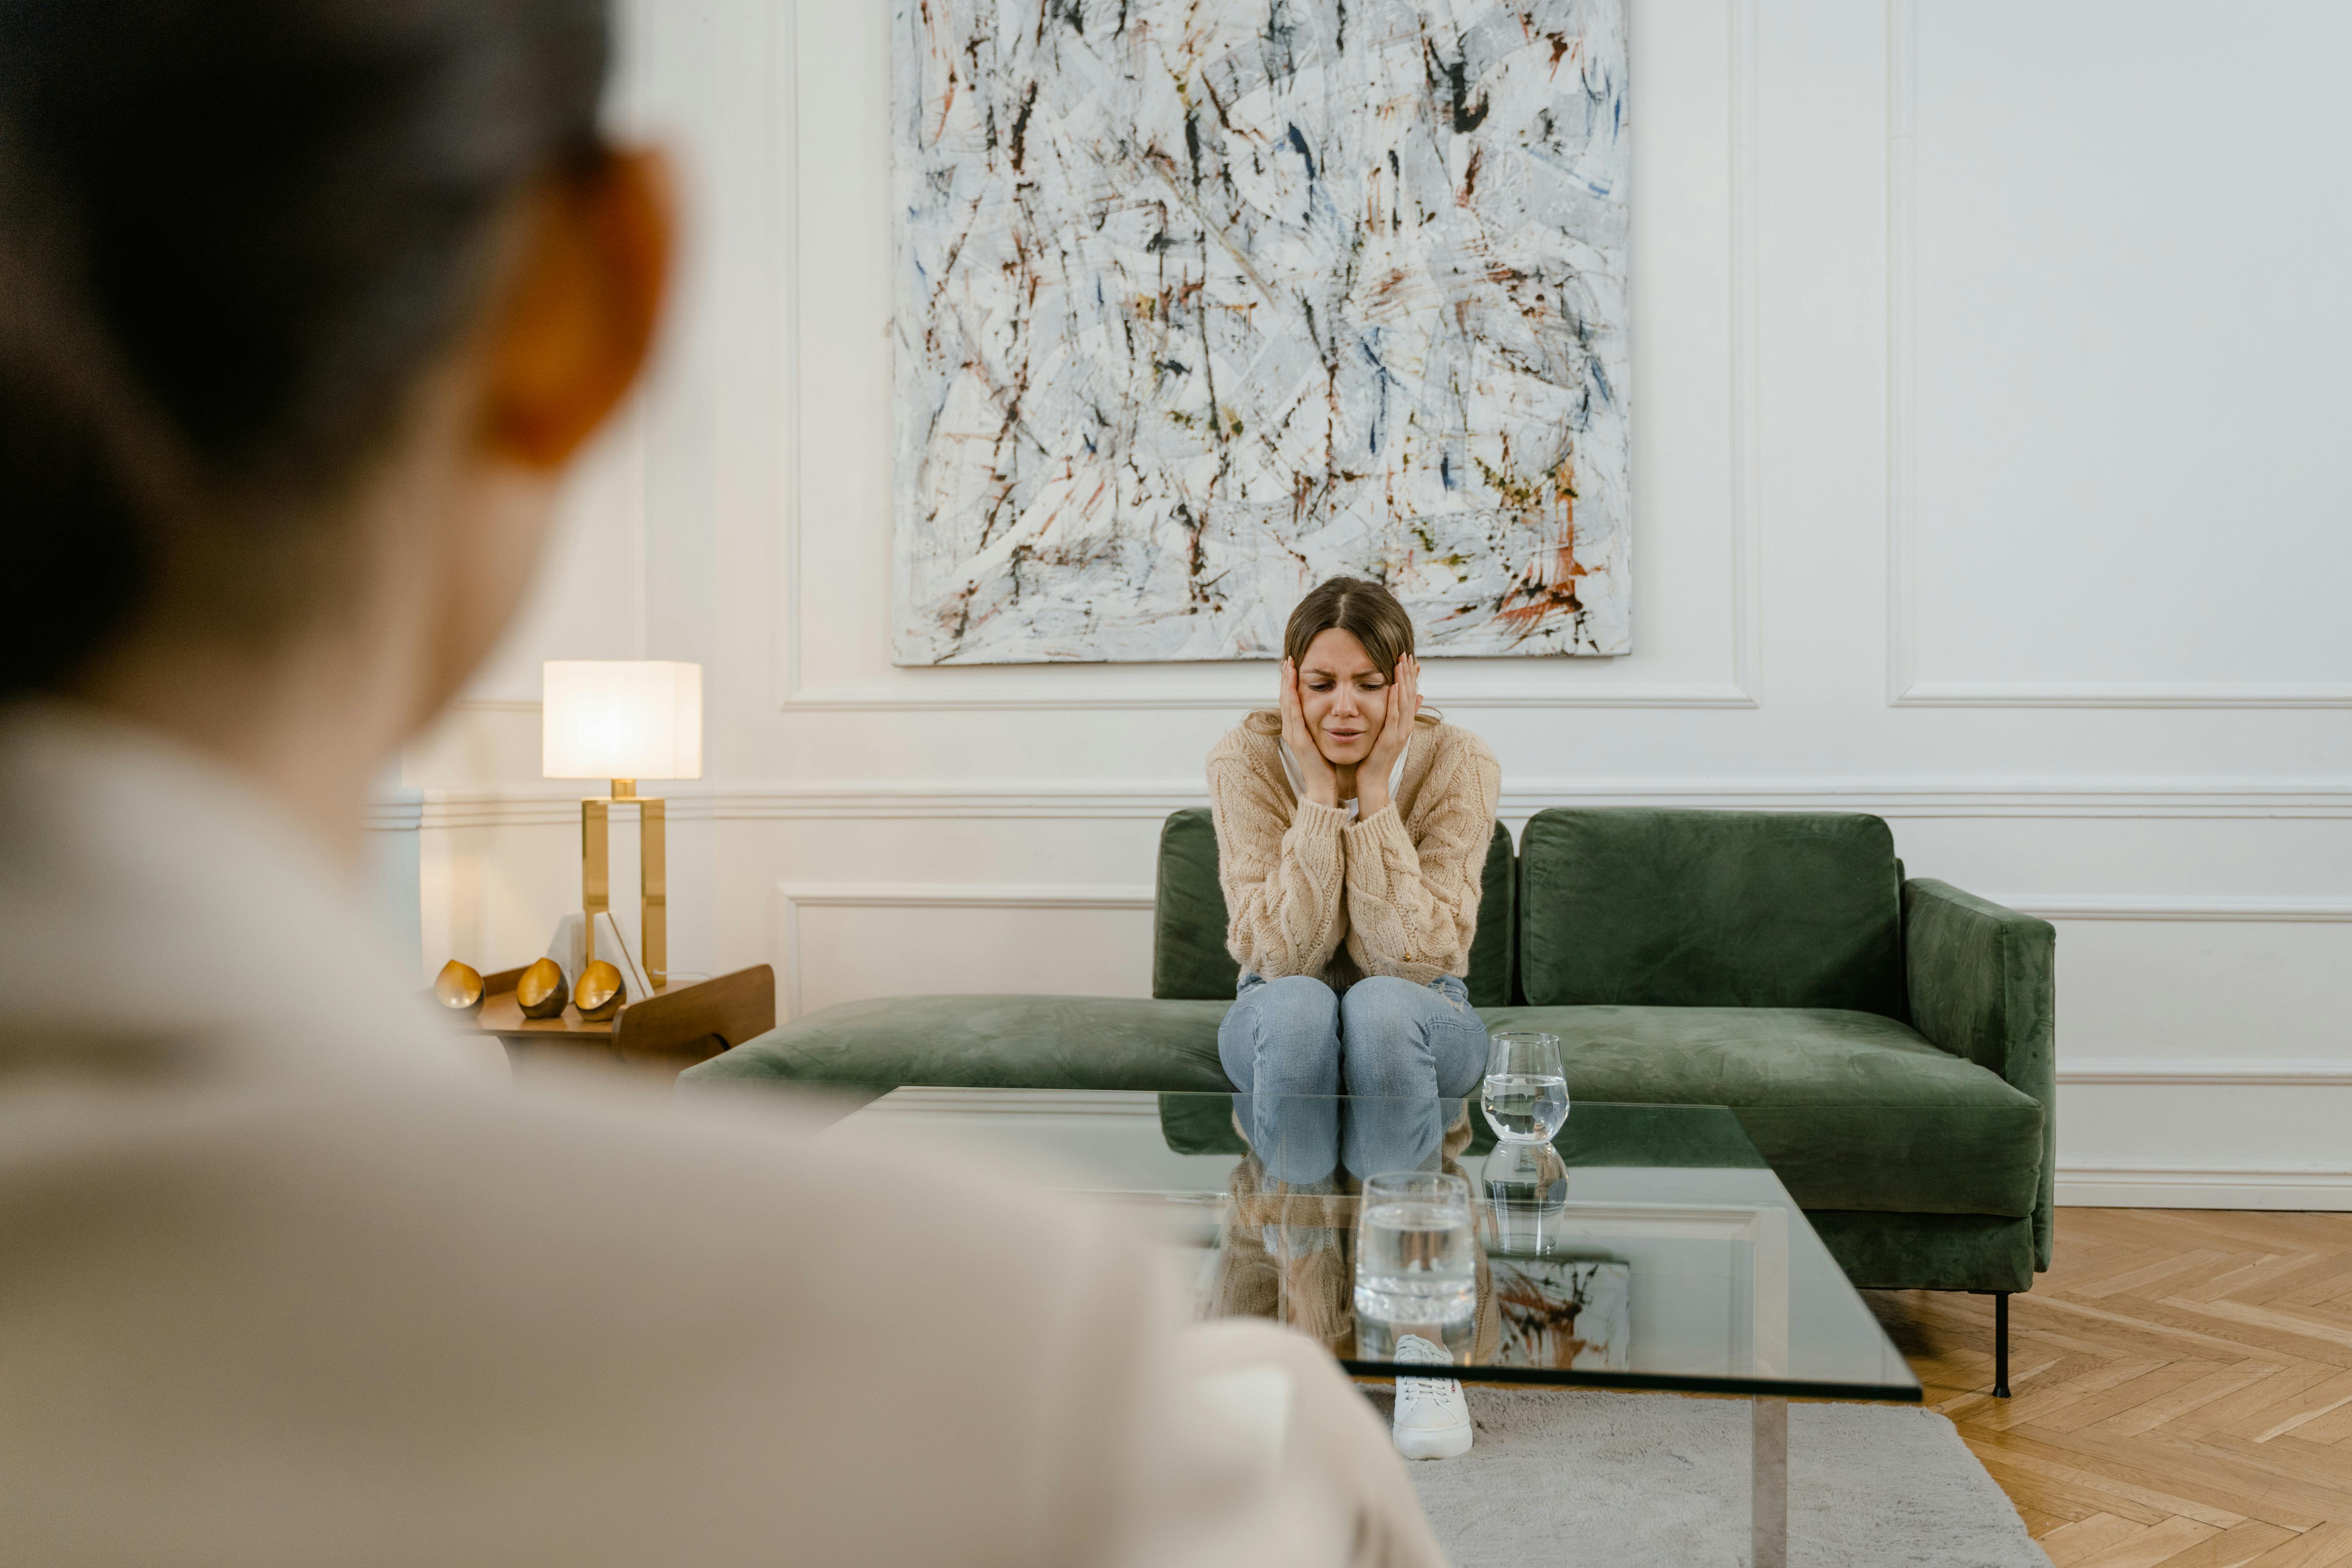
(1647, 908)
(1189, 960)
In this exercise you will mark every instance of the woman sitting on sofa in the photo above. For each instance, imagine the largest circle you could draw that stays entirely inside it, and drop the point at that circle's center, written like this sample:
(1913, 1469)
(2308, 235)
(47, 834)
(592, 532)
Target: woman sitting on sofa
(1351, 834)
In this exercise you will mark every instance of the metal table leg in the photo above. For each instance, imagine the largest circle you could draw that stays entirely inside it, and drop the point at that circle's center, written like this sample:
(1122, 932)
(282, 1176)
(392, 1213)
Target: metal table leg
(1769, 1503)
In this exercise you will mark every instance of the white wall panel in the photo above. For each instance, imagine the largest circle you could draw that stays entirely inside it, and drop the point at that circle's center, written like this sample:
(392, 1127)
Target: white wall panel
(2156, 990)
(2127, 311)
(2155, 1145)
(845, 942)
(492, 894)
(1982, 347)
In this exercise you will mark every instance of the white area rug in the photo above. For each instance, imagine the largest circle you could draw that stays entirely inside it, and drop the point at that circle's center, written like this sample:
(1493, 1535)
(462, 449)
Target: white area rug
(1591, 1477)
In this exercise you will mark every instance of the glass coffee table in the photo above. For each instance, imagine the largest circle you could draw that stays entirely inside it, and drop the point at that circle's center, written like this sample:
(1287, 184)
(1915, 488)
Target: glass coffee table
(1646, 1247)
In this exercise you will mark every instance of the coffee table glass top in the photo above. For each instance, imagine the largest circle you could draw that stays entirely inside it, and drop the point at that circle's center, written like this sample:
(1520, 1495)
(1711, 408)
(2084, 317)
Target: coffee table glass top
(1647, 1246)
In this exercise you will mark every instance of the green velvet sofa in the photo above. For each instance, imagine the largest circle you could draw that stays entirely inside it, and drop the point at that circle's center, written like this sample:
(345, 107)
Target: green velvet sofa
(1887, 1043)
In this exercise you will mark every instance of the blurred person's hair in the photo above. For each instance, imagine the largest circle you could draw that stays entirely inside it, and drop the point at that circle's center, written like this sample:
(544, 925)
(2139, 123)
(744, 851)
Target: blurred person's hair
(234, 236)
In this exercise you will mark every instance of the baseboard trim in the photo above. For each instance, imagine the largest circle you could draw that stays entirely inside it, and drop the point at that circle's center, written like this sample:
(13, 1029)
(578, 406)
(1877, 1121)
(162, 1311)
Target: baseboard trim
(2202, 1187)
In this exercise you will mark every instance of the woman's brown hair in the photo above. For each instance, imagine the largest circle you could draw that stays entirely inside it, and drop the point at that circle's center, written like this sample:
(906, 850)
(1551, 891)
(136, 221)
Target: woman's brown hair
(1365, 611)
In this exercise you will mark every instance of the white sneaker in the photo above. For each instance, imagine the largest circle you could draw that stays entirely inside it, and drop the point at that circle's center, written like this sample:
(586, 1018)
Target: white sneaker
(1433, 1420)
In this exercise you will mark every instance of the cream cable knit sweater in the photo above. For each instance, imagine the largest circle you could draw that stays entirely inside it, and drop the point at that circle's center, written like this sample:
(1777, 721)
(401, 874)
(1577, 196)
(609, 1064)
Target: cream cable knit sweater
(1308, 892)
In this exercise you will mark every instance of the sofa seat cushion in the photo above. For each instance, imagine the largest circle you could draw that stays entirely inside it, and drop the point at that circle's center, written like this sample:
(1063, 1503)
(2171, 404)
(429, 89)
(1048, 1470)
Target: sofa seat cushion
(1853, 1109)
(1000, 1042)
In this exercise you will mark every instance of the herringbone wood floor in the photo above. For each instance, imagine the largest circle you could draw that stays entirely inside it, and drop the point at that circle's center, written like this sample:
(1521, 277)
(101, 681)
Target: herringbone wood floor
(2182, 1385)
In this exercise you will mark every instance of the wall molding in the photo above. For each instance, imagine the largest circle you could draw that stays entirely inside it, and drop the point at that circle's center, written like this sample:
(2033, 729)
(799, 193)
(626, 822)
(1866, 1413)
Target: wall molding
(449, 809)
(2230, 908)
(395, 811)
(2119, 694)
(894, 800)
(1905, 798)
(1902, 372)
(967, 895)
(2203, 1187)
(1055, 800)
(792, 898)
(1040, 699)
(2246, 1186)
(1904, 687)
(958, 688)
(1744, 335)
(2210, 1072)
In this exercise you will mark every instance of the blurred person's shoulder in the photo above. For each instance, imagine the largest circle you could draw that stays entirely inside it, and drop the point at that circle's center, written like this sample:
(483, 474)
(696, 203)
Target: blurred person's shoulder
(270, 1253)
(389, 1307)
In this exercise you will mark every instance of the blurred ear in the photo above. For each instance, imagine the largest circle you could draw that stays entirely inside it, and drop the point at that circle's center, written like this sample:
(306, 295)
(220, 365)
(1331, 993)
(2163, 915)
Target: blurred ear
(580, 307)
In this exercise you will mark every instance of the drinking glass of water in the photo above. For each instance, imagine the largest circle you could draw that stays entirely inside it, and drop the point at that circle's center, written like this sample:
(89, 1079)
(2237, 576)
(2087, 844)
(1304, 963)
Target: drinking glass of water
(1416, 1264)
(1527, 1090)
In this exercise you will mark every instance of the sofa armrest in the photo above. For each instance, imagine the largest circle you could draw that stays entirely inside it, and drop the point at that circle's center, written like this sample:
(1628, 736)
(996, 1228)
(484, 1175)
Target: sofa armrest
(1983, 986)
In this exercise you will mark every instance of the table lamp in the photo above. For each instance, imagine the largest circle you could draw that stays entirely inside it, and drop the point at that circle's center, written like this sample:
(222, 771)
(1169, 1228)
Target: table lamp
(623, 720)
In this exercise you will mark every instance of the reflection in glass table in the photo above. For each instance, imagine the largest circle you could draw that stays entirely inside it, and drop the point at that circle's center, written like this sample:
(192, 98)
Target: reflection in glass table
(1646, 1246)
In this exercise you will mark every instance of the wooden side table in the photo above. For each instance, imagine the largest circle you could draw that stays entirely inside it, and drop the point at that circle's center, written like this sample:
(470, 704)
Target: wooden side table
(665, 1033)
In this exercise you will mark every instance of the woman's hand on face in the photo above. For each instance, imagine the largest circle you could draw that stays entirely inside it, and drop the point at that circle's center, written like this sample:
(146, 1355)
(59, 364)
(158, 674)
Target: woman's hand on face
(1396, 733)
(1322, 779)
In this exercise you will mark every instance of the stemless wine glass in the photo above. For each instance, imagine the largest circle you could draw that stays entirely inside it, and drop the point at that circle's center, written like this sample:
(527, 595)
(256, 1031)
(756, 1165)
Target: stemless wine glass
(1416, 1263)
(1527, 1089)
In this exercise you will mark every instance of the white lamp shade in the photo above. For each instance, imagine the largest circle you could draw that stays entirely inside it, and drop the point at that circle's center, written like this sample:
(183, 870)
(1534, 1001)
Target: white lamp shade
(621, 718)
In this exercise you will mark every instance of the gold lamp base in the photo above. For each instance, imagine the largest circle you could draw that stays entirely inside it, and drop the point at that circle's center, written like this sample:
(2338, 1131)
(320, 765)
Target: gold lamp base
(653, 871)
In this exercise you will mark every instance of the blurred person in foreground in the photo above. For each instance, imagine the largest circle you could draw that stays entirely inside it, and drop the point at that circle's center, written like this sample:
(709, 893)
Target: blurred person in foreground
(304, 308)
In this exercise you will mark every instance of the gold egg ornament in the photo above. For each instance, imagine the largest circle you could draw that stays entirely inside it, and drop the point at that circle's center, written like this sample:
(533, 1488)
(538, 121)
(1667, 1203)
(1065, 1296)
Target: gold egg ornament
(600, 992)
(539, 991)
(458, 987)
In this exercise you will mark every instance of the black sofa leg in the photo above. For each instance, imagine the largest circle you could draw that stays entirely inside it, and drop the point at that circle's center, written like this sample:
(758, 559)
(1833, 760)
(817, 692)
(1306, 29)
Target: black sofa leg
(2000, 1344)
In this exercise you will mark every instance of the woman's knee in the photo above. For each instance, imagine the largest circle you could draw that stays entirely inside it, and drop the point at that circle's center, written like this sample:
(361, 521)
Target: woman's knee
(1383, 1048)
(1282, 1035)
(1381, 1006)
(1297, 1005)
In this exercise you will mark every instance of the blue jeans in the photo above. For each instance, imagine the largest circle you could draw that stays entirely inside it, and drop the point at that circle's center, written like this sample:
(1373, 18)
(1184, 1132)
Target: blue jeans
(1407, 1052)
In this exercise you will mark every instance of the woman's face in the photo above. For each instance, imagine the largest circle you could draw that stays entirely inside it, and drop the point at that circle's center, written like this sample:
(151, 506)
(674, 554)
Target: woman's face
(1345, 695)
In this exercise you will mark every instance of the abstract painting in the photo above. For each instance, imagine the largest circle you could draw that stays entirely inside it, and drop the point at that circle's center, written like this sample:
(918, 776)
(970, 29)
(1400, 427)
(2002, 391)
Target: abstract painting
(1199, 302)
